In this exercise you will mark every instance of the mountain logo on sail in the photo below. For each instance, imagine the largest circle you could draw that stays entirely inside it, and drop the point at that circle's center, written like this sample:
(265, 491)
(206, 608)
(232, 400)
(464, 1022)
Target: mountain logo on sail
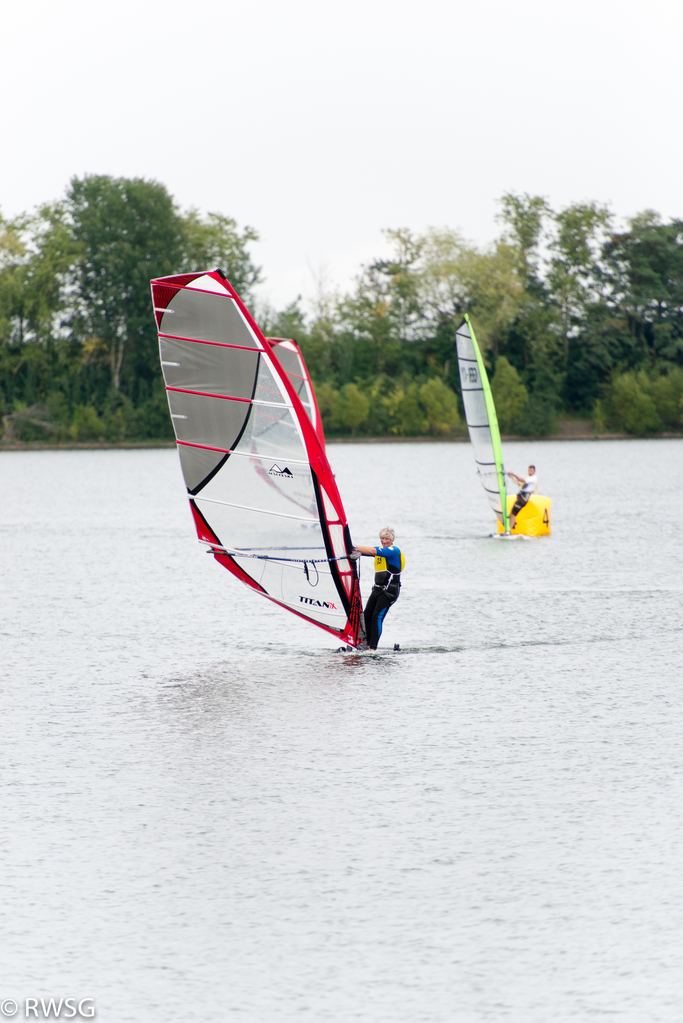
(275, 470)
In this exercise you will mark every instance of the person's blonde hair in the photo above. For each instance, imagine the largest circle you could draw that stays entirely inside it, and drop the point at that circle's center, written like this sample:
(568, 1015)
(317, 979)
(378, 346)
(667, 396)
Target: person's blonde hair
(387, 531)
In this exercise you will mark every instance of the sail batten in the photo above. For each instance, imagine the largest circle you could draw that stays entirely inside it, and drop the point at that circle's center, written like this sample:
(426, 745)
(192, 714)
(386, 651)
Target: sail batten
(252, 452)
(250, 508)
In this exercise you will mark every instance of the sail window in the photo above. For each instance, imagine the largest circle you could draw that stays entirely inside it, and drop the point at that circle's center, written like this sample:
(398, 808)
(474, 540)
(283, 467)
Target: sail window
(213, 422)
(206, 317)
(212, 369)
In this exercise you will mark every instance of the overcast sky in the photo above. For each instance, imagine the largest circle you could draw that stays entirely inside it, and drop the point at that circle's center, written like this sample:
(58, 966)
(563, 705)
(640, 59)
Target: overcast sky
(322, 124)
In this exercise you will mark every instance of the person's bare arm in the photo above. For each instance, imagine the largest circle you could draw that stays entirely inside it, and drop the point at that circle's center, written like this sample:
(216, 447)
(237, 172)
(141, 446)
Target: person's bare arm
(516, 478)
(369, 552)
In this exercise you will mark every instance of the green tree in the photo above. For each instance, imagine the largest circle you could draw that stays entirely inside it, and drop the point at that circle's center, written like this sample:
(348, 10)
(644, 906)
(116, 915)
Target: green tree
(216, 241)
(120, 420)
(401, 282)
(633, 406)
(524, 216)
(405, 413)
(374, 326)
(509, 394)
(75, 316)
(533, 343)
(354, 407)
(538, 417)
(328, 404)
(644, 277)
(573, 274)
(36, 253)
(497, 295)
(13, 258)
(444, 294)
(667, 392)
(638, 320)
(440, 405)
(127, 231)
(86, 424)
(455, 277)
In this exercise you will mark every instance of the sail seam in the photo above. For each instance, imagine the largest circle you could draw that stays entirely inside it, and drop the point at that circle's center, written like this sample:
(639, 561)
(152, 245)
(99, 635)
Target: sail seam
(230, 397)
(217, 344)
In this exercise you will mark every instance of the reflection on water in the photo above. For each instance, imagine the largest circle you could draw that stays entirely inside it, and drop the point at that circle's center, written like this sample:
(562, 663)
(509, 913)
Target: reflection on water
(209, 812)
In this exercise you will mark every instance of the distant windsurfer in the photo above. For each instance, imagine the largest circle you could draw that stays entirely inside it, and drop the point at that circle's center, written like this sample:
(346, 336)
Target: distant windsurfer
(528, 485)
(389, 564)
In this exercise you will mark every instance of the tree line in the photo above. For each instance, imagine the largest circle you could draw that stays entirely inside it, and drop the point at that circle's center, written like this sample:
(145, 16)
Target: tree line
(78, 346)
(575, 315)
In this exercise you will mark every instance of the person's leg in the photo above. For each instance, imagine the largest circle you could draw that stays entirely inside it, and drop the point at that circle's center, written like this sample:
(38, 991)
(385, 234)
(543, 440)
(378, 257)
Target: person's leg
(371, 620)
(382, 605)
(516, 508)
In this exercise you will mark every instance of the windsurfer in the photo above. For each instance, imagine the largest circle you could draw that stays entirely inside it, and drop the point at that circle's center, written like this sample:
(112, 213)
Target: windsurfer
(528, 485)
(389, 563)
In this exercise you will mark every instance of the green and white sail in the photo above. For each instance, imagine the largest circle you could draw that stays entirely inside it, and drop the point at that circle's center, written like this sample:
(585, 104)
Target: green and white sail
(482, 421)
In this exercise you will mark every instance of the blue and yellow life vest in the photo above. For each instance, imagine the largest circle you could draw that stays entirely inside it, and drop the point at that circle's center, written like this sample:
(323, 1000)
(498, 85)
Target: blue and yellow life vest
(388, 568)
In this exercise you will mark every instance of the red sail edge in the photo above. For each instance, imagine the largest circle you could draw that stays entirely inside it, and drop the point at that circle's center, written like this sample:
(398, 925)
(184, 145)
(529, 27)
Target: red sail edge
(332, 516)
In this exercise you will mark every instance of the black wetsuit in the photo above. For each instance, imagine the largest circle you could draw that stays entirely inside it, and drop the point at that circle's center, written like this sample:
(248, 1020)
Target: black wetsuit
(385, 592)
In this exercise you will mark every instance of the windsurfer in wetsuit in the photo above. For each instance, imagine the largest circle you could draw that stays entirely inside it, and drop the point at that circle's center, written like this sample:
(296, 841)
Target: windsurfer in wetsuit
(528, 486)
(389, 564)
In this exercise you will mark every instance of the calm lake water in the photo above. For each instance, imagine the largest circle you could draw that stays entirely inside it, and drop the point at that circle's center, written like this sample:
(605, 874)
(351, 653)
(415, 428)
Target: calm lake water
(210, 815)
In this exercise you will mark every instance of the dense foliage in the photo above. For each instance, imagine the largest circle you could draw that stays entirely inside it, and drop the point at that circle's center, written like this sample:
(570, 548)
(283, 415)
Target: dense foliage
(78, 346)
(574, 317)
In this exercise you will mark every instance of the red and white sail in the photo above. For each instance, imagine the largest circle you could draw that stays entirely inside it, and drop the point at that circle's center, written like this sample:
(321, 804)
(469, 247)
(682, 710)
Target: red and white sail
(262, 493)
(292, 361)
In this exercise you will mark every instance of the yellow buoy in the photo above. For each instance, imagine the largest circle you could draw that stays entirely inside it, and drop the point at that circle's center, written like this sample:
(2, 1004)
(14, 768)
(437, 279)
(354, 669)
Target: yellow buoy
(533, 519)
